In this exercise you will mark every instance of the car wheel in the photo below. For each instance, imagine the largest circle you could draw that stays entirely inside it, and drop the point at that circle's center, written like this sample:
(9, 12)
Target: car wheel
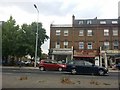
(73, 71)
(101, 72)
(42, 68)
(60, 69)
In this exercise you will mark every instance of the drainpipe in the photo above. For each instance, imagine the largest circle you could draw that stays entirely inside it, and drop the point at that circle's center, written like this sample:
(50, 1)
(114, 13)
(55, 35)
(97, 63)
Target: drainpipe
(106, 64)
(72, 53)
(100, 58)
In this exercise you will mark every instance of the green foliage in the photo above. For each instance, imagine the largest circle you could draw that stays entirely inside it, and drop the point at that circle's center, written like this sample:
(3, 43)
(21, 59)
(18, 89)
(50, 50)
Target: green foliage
(21, 41)
(9, 34)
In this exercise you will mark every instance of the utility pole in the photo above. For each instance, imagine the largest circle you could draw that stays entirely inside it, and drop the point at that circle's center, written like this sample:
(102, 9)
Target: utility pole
(36, 37)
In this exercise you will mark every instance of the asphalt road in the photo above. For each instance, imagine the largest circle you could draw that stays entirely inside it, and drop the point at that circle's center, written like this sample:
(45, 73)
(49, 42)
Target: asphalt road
(34, 78)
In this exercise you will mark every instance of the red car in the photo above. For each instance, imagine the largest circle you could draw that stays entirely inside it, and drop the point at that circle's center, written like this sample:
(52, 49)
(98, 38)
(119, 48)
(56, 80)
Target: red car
(51, 65)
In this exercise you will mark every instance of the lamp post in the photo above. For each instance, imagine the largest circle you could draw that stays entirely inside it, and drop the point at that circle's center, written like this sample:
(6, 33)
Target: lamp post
(36, 36)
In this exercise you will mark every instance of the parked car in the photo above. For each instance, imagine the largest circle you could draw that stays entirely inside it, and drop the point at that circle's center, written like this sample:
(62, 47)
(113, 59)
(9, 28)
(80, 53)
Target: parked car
(28, 62)
(85, 67)
(51, 65)
(118, 66)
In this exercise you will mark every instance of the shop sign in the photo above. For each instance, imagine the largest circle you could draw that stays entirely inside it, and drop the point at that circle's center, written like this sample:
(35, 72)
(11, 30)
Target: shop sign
(113, 51)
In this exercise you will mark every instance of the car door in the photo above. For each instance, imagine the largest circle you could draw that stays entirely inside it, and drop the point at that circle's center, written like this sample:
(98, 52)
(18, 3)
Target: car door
(47, 65)
(80, 67)
(54, 65)
(89, 68)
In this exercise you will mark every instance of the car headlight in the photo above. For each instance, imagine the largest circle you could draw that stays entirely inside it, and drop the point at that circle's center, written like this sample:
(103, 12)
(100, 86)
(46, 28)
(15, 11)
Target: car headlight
(63, 65)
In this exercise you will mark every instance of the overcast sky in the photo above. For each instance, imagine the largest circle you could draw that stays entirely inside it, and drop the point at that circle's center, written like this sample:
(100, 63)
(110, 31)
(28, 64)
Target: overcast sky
(56, 11)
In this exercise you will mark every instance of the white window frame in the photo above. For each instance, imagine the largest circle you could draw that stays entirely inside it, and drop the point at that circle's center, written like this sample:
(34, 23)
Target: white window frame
(106, 32)
(58, 32)
(65, 44)
(89, 32)
(80, 22)
(102, 22)
(106, 45)
(114, 22)
(89, 45)
(81, 32)
(57, 45)
(89, 22)
(81, 45)
(115, 32)
(65, 32)
(116, 44)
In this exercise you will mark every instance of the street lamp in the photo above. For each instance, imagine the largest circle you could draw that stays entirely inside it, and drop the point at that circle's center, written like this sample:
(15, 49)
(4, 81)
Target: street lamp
(36, 36)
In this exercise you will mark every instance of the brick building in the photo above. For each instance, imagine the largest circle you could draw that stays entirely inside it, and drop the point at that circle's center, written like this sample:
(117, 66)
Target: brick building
(95, 40)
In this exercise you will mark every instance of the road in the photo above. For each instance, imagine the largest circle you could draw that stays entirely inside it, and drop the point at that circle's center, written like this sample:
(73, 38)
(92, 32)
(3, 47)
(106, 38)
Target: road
(34, 78)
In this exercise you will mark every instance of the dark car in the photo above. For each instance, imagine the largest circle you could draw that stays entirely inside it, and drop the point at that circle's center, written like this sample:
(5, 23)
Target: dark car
(51, 65)
(118, 66)
(85, 67)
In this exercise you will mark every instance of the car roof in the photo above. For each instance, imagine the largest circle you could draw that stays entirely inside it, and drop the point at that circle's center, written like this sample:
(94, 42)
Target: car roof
(48, 61)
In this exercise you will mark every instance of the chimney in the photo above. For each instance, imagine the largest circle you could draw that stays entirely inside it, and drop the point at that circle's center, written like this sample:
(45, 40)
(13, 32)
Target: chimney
(73, 18)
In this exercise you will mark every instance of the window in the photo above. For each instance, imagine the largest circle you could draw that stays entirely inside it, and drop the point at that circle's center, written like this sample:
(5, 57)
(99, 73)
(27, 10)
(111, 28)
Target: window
(66, 44)
(106, 45)
(89, 22)
(102, 22)
(88, 63)
(81, 45)
(53, 62)
(70, 62)
(65, 32)
(115, 32)
(47, 62)
(80, 22)
(114, 22)
(79, 63)
(57, 32)
(89, 33)
(57, 44)
(89, 45)
(81, 33)
(106, 32)
(116, 44)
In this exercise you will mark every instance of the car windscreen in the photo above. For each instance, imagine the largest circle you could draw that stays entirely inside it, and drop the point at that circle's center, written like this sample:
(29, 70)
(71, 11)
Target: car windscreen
(70, 62)
(88, 63)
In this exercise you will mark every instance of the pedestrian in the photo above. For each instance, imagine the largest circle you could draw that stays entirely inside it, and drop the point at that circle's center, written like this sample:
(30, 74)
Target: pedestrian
(20, 64)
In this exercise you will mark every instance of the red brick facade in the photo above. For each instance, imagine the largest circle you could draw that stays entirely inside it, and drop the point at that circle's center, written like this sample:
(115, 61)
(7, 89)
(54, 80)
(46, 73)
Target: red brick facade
(93, 37)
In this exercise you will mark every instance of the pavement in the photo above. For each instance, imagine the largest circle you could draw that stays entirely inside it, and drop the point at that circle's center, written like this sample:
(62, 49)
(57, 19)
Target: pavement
(17, 67)
(110, 69)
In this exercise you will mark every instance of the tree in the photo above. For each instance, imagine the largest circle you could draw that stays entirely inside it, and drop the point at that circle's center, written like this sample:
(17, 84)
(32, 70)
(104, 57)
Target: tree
(30, 37)
(42, 37)
(9, 34)
(21, 41)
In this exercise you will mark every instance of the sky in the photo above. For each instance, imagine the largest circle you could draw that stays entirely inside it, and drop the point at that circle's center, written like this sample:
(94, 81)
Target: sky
(57, 12)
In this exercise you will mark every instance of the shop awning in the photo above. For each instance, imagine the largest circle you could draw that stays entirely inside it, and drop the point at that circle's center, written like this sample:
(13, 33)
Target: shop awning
(87, 56)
